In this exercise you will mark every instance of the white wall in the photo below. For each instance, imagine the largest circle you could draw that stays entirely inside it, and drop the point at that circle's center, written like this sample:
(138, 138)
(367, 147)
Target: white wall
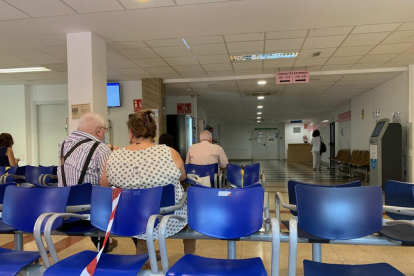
(235, 139)
(295, 138)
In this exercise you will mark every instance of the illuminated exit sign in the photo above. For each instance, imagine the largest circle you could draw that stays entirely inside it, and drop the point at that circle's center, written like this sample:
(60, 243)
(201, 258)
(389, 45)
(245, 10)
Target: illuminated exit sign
(286, 77)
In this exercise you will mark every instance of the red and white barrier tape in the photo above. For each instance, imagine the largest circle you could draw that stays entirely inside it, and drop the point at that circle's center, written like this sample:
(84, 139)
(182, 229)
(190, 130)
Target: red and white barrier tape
(90, 269)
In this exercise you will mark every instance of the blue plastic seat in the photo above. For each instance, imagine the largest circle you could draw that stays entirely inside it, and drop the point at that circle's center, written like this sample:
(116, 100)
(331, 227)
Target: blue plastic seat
(33, 174)
(2, 170)
(224, 214)
(21, 208)
(251, 174)
(4, 228)
(202, 171)
(134, 208)
(233, 172)
(399, 194)
(360, 213)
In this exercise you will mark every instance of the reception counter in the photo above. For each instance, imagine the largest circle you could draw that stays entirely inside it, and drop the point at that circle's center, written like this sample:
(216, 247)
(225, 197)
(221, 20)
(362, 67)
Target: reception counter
(299, 153)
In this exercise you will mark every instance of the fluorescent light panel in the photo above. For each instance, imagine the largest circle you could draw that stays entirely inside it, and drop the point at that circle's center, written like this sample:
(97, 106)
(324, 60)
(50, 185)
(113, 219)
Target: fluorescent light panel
(264, 56)
(260, 106)
(23, 70)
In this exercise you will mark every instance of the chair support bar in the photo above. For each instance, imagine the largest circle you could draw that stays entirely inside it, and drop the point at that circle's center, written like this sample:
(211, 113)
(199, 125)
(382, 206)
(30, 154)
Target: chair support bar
(170, 209)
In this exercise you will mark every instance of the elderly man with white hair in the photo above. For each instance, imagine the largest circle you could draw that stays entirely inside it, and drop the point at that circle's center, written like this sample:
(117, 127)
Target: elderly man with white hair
(205, 153)
(82, 157)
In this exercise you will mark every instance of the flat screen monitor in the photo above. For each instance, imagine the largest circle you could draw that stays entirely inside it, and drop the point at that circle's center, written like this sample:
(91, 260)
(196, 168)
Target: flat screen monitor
(113, 95)
(378, 129)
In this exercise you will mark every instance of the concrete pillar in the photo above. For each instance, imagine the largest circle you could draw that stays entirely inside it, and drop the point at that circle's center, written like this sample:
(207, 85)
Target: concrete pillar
(410, 138)
(154, 97)
(86, 73)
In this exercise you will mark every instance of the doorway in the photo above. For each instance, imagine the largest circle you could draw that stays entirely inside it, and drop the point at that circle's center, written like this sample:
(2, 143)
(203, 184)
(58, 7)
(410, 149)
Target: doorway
(50, 131)
(266, 144)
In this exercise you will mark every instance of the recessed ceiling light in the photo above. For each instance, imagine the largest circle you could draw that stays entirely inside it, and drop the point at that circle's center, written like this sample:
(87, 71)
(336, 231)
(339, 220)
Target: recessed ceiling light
(258, 121)
(259, 118)
(260, 97)
(261, 82)
(325, 121)
(264, 56)
(260, 106)
(24, 70)
(259, 113)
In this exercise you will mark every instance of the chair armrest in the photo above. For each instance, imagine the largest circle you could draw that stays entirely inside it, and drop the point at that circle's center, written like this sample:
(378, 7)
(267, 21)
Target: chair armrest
(38, 238)
(161, 240)
(266, 200)
(4, 177)
(288, 206)
(275, 224)
(293, 246)
(399, 210)
(48, 231)
(78, 208)
(263, 176)
(399, 222)
(170, 209)
(150, 243)
(44, 177)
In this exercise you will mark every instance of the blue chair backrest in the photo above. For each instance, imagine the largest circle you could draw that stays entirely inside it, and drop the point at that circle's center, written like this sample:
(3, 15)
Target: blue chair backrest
(18, 170)
(22, 206)
(399, 194)
(292, 185)
(233, 172)
(168, 197)
(202, 170)
(2, 170)
(3, 190)
(251, 174)
(32, 174)
(225, 213)
(134, 209)
(79, 195)
(339, 214)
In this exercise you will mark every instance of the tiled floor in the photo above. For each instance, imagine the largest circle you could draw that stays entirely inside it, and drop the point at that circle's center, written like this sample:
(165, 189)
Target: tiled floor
(277, 174)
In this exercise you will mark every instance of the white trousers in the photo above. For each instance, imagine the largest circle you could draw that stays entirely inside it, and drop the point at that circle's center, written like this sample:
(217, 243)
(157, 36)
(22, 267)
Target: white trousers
(317, 159)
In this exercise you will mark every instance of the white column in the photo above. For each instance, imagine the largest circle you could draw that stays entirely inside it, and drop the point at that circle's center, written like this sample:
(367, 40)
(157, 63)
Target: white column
(86, 73)
(410, 138)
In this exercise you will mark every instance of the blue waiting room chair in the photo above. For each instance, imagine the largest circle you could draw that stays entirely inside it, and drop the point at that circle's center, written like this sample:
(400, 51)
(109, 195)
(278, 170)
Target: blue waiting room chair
(202, 171)
(21, 208)
(4, 228)
(251, 175)
(134, 208)
(217, 213)
(337, 214)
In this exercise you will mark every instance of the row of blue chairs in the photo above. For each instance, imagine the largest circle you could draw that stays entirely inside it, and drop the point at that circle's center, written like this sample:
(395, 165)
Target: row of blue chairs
(37, 176)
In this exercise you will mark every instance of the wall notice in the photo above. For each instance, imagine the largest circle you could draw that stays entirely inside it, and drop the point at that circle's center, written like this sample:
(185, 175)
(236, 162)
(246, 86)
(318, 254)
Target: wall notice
(373, 155)
(79, 109)
(137, 104)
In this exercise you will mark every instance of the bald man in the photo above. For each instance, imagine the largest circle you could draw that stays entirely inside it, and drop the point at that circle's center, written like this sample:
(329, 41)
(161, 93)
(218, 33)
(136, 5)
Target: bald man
(82, 157)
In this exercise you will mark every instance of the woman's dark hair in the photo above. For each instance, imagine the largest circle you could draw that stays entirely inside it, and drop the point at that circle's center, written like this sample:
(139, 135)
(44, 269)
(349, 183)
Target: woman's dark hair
(166, 139)
(6, 140)
(316, 133)
(142, 124)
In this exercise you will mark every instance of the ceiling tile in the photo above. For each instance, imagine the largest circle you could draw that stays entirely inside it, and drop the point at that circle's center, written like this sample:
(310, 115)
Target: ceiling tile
(330, 31)
(140, 77)
(218, 67)
(168, 76)
(396, 64)
(213, 59)
(406, 26)
(116, 64)
(61, 56)
(411, 50)
(127, 45)
(194, 75)
(248, 65)
(8, 12)
(138, 53)
(246, 47)
(343, 60)
(208, 49)
(365, 39)
(220, 73)
(353, 51)
(286, 34)
(174, 51)
(30, 77)
(7, 77)
(204, 40)
(114, 55)
(244, 37)
(391, 48)
(112, 72)
(132, 71)
(310, 62)
(41, 59)
(284, 44)
(377, 58)
(165, 42)
(27, 51)
(278, 63)
(41, 8)
(89, 6)
(309, 68)
(249, 72)
(367, 65)
(327, 52)
(118, 78)
(400, 37)
(188, 68)
(161, 70)
(363, 29)
(54, 75)
(323, 42)
(336, 67)
(134, 4)
(189, 2)
(181, 61)
(53, 49)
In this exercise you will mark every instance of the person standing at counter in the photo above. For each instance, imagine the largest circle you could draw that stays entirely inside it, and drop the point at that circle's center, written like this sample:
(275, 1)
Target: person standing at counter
(316, 150)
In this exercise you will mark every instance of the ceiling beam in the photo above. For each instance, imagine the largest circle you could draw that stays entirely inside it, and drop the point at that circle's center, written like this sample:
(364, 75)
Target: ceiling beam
(269, 76)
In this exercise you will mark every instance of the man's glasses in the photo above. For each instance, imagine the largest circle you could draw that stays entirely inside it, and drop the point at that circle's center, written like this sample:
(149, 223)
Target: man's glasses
(105, 128)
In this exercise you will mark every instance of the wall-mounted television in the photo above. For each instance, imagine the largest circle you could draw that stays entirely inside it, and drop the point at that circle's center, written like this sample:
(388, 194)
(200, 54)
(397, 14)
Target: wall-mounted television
(113, 95)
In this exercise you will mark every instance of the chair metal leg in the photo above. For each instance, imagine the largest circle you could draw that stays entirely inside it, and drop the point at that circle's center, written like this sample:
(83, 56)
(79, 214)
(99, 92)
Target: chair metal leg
(231, 250)
(18, 241)
(317, 252)
(293, 246)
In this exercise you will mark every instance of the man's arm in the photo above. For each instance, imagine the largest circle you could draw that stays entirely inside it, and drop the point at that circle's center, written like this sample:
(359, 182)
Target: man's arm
(222, 159)
(187, 159)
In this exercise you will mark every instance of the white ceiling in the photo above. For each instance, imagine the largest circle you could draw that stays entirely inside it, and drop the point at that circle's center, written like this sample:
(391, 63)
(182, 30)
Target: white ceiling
(145, 39)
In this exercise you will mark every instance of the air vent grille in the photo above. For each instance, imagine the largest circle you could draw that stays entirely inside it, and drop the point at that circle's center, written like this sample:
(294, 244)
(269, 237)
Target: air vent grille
(260, 93)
